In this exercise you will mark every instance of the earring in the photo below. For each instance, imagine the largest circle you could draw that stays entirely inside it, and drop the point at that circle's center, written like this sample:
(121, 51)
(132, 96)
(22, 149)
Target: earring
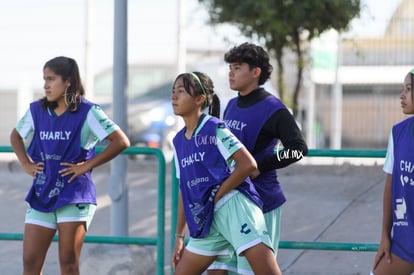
(65, 95)
(72, 98)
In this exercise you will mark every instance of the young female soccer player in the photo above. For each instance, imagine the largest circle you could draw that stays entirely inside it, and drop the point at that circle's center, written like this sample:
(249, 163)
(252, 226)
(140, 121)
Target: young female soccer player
(61, 131)
(396, 250)
(217, 201)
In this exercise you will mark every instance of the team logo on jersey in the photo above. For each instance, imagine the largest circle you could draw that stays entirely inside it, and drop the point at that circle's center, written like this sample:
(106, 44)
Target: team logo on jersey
(244, 229)
(235, 124)
(192, 158)
(80, 206)
(54, 192)
(400, 212)
(55, 135)
(408, 168)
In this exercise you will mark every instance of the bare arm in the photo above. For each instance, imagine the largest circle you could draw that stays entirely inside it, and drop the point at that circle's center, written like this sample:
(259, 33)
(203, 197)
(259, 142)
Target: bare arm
(245, 166)
(387, 208)
(19, 149)
(385, 244)
(118, 142)
(181, 222)
(180, 231)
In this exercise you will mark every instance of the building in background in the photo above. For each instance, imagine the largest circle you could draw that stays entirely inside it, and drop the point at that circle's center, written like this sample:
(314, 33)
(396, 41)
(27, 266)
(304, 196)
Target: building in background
(370, 73)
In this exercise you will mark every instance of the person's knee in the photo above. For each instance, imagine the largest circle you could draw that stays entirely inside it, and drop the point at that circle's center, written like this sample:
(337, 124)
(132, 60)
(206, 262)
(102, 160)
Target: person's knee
(32, 263)
(396, 266)
(262, 260)
(217, 272)
(69, 268)
(69, 264)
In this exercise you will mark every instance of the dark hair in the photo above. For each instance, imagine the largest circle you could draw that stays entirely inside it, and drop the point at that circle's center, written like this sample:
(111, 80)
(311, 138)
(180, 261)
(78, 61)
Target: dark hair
(253, 55)
(201, 84)
(412, 77)
(68, 69)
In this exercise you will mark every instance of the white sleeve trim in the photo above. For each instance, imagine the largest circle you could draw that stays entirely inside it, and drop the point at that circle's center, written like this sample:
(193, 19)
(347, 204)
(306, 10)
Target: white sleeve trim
(389, 158)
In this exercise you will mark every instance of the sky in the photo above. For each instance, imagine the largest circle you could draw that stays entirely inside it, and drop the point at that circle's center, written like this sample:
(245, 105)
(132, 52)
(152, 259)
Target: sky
(34, 31)
(374, 18)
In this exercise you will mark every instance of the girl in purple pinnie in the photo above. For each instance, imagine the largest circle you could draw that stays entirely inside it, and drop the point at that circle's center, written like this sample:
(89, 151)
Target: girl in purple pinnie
(396, 250)
(61, 131)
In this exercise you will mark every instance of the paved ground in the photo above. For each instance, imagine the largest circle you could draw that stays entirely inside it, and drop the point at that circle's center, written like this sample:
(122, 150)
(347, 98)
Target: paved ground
(340, 203)
(327, 202)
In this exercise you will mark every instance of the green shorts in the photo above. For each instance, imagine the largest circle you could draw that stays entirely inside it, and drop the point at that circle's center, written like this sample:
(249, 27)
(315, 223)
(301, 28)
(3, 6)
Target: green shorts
(272, 219)
(228, 263)
(238, 224)
(80, 212)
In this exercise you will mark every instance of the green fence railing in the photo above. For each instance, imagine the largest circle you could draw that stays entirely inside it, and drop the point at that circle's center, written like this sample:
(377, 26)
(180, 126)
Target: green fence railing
(346, 153)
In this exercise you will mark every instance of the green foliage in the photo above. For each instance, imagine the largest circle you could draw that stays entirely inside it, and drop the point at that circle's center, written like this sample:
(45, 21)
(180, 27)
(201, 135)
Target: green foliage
(284, 24)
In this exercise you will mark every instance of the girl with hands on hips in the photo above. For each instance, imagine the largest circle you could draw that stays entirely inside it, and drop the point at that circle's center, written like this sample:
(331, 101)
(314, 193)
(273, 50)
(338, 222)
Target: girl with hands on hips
(61, 131)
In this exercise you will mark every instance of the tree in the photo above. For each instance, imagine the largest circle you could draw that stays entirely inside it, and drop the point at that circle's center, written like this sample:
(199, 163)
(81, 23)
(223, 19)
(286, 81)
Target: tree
(284, 24)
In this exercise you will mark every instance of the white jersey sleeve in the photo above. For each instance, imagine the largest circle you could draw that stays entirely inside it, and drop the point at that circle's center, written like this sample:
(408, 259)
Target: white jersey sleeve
(96, 127)
(177, 165)
(25, 126)
(389, 158)
(227, 142)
